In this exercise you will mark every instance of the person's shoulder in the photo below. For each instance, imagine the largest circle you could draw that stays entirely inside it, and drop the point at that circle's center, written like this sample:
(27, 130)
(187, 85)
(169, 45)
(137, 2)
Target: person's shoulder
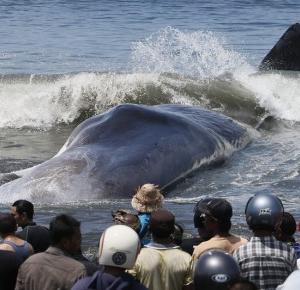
(202, 247)
(36, 228)
(243, 248)
(82, 283)
(237, 239)
(135, 284)
(6, 247)
(148, 251)
(34, 259)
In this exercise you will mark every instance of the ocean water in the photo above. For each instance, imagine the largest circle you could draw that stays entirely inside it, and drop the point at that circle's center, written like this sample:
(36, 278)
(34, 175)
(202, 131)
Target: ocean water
(63, 61)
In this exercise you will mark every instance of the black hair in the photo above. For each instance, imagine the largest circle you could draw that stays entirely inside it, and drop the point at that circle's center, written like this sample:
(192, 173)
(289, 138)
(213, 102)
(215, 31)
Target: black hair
(62, 227)
(288, 224)
(24, 206)
(8, 224)
(162, 223)
(261, 228)
(243, 284)
(224, 226)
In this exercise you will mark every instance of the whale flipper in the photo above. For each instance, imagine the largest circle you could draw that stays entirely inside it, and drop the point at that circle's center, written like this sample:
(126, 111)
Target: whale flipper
(285, 55)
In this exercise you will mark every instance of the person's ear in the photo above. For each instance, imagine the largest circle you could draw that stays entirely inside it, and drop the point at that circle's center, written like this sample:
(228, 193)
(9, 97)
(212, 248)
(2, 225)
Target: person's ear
(24, 215)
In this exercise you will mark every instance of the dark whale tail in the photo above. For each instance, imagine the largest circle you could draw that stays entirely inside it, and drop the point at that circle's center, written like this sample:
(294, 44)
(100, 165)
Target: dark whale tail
(285, 55)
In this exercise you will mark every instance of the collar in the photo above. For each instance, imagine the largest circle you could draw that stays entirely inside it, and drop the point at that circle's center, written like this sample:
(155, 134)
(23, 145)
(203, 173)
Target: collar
(56, 251)
(158, 246)
(263, 239)
(29, 224)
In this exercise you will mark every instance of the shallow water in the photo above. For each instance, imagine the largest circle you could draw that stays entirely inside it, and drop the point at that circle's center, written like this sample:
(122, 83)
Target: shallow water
(63, 61)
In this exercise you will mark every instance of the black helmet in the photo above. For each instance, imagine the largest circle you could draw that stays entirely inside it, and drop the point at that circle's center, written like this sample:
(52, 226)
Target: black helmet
(215, 270)
(263, 211)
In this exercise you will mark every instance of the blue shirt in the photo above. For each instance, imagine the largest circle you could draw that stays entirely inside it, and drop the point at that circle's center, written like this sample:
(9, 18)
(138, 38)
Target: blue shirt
(145, 221)
(296, 247)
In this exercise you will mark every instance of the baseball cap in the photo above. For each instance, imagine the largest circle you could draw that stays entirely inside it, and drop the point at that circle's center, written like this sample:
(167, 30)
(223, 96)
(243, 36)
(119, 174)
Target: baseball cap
(217, 208)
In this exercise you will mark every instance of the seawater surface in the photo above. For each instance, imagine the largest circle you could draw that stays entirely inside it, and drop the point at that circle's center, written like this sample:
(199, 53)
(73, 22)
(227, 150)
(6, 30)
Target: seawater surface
(63, 61)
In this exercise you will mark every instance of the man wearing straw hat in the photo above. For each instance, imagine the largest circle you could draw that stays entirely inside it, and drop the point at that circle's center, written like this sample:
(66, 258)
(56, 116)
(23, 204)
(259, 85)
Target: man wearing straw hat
(147, 199)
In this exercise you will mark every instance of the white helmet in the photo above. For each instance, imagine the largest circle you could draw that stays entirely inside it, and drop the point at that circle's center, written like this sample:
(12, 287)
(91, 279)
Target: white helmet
(119, 247)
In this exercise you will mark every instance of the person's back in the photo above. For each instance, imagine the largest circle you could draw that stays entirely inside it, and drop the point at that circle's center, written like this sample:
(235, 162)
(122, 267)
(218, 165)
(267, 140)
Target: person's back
(11, 242)
(285, 232)
(38, 236)
(9, 266)
(21, 248)
(115, 256)
(57, 271)
(105, 281)
(163, 267)
(54, 269)
(213, 217)
(229, 244)
(264, 260)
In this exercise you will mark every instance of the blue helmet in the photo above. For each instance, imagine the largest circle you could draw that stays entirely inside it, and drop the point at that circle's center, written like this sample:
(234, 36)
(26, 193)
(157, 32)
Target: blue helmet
(215, 269)
(263, 211)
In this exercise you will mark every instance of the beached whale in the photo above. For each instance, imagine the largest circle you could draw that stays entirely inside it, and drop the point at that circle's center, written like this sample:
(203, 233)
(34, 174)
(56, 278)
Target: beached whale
(112, 154)
(285, 55)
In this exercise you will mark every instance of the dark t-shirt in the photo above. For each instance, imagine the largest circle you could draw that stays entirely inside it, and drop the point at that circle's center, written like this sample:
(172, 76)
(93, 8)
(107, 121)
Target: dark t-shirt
(9, 266)
(37, 236)
(90, 267)
(188, 244)
(104, 281)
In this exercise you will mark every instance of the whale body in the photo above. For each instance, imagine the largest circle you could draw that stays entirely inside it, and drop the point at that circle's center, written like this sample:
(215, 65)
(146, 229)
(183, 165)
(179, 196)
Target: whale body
(110, 155)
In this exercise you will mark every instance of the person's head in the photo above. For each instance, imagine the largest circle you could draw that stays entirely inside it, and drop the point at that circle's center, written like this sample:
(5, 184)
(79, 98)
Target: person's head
(215, 269)
(118, 247)
(263, 213)
(8, 224)
(125, 217)
(147, 198)
(212, 216)
(23, 212)
(162, 224)
(286, 229)
(65, 233)
(243, 284)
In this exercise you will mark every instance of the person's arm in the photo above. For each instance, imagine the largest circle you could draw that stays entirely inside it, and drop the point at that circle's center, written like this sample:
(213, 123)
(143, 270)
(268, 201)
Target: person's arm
(188, 280)
(293, 259)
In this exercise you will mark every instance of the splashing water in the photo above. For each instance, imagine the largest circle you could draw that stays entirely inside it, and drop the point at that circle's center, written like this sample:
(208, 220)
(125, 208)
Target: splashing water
(197, 54)
(170, 66)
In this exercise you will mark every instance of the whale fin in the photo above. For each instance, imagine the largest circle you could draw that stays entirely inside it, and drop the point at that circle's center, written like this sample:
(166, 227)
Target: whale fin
(285, 55)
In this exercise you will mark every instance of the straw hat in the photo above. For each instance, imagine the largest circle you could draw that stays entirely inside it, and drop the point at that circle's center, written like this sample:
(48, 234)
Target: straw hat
(147, 198)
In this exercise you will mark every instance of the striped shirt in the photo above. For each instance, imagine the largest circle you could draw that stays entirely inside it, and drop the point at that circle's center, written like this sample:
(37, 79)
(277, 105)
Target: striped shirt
(266, 261)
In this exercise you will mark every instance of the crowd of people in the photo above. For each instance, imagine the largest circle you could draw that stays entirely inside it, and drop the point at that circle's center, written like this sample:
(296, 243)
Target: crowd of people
(145, 248)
